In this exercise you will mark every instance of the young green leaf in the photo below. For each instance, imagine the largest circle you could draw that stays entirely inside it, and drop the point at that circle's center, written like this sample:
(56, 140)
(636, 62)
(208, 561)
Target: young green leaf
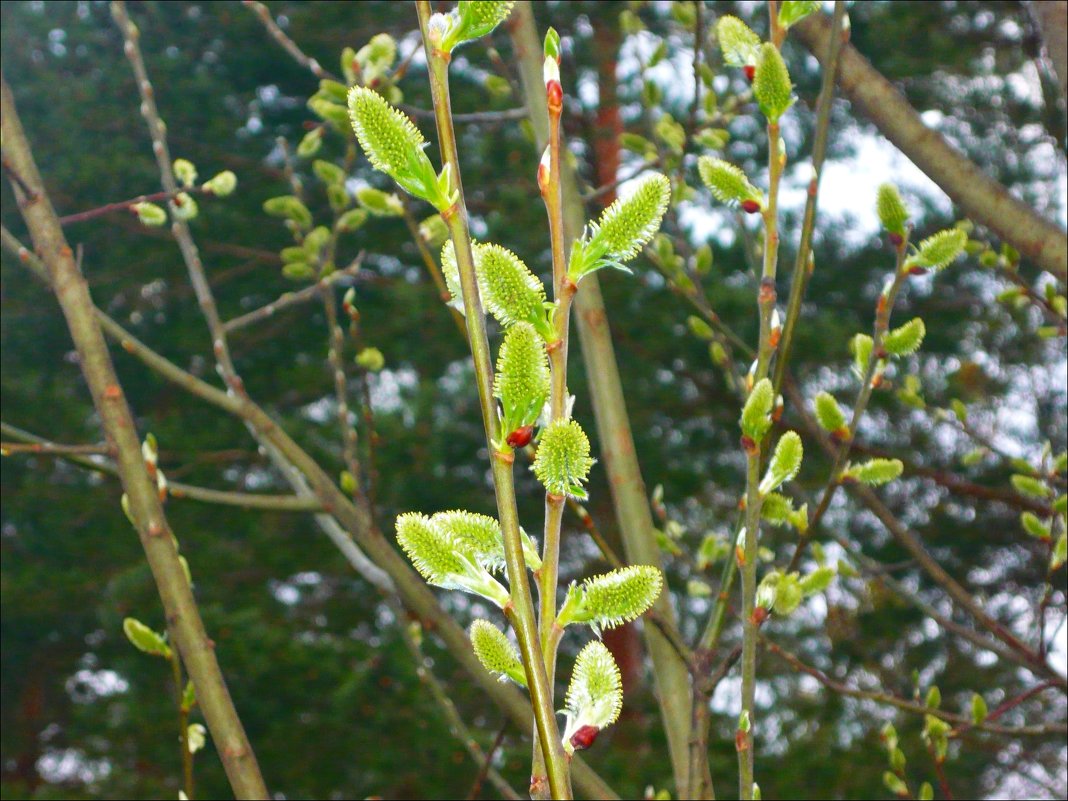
(563, 461)
(860, 346)
(379, 203)
(905, 339)
(521, 382)
(222, 184)
(594, 696)
(149, 214)
(818, 580)
(793, 11)
(1029, 485)
(727, 183)
(145, 639)
(740, 46)
(291, 208)
(496, 652)
(612, 599)
(874, 471)
(979, 710)
(829, 414)
(755, 421)
(474, 19)
(785, 462)
(1035, 527)
(771, 84)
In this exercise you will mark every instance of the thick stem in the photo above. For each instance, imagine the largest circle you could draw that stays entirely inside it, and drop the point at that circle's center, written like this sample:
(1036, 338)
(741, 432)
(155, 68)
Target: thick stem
(71, 290)
(521, 614)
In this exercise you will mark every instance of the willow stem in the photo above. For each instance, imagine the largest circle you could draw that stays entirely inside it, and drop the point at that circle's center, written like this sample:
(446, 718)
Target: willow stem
(521, 612)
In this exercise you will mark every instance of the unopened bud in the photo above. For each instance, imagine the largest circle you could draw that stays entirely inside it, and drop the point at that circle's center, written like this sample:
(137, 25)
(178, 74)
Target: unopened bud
(544, 171)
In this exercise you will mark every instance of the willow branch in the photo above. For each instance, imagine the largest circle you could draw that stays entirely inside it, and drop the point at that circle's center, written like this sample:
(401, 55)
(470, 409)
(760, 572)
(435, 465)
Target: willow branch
(618, 453)
(264, 15)
(290, 299)
(176, 595)
(980, 197)
(802, 262)
(521, 615)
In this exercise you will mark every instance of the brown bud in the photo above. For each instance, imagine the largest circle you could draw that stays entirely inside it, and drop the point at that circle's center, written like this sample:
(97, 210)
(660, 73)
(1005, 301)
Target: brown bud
(584, 737)
(896, 239)
(750, 206)
(750, 72)
(521, 437)
(554, 95)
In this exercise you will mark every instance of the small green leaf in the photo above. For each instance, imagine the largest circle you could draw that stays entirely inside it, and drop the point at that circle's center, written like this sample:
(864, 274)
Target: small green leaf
(149, 214)
(785, 462)
(222, 184)
(328, 172)
(1035, 527)
(379, 203)
(894, 784)
(979, 710)
(185, 172)
(1060, 553)
(739, 44)
(310, 143)
(1030, 486)
(145, 639)
(860, 346)
(893, 213)
(818, 580)
(289, 207)
(934, 698)
(829, 413)
(793, 11)
(926, 792)
(351, 220)
(755, 421)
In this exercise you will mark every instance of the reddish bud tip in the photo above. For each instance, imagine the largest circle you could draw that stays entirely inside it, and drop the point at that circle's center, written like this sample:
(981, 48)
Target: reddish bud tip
(739, 555)
(896, 239)
(521, 437)
(554, 94)
(774, 337)
(543, 177)
(750, 206)
(750, 72)
(748, 444)
(776, 414)
(741, 742)
(917, 270)
(584, 737)
(760, 614)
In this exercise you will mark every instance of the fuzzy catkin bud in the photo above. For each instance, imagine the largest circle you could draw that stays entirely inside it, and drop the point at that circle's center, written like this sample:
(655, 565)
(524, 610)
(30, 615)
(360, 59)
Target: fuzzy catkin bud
(727, 182)
(563, 461)
(186, 172)
(893, 213)
(477, 535)
(623, 230)
(222, 184)
(387, 135)
(430, 550)
(594, 696)
(496, 652)
(905, 339)
(784, 464)
(756, 414)
(149, 214)
(510, 291)
(829, 414)
(874, 472)
(771, 83)
(612, 599)
(937, 251)
(522, 379)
